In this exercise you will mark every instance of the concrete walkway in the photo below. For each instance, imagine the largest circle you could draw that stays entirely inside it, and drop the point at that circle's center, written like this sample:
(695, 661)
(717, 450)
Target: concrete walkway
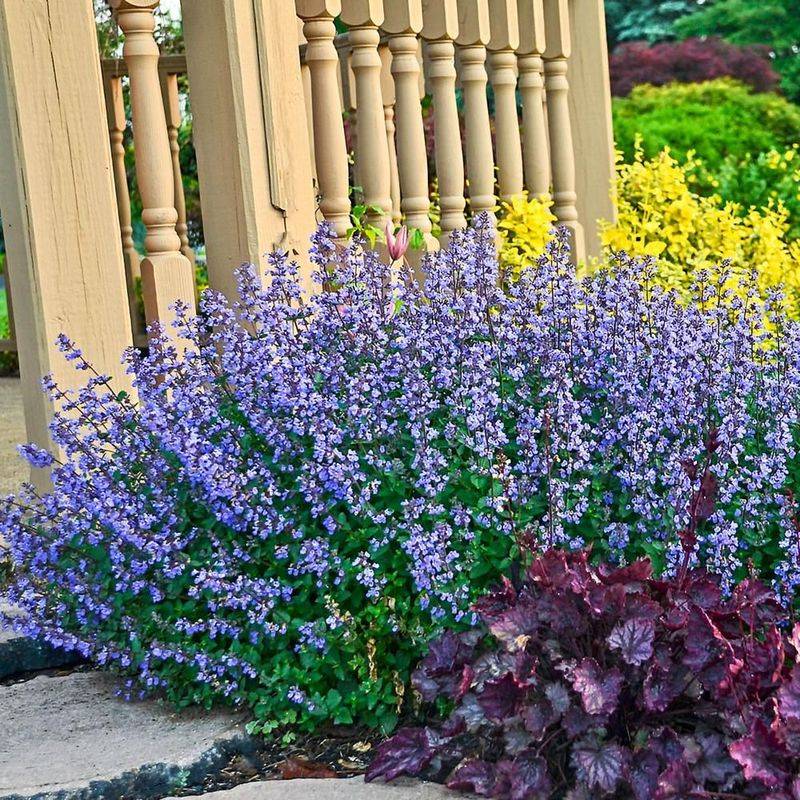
(349, 789)
(13, 470)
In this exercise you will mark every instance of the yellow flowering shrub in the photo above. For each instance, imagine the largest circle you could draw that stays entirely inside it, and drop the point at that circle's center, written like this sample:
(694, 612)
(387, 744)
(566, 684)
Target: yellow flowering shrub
(659, 214)
(524, 225)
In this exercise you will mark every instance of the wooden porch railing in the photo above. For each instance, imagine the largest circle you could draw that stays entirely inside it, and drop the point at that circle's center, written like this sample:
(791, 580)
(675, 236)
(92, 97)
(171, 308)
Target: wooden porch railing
(517, 91)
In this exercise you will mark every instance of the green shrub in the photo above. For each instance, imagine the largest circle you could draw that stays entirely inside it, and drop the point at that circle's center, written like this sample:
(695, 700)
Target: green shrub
(718, 119)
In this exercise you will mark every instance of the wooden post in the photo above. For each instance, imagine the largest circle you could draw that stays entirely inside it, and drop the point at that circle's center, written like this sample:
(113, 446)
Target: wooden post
(389, 98)
(115, 115)
(403, 24)
(562, 155)
(439, 29)
(363, 18)
(504, 41)
(167, 275)
(473, 36)
(330, 149)
(590, 113)
(57, 195)
(172, 109)
(535, 150)
(253, 157)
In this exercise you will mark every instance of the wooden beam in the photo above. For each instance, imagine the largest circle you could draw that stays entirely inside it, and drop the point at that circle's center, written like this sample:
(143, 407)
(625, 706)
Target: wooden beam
(255, 172)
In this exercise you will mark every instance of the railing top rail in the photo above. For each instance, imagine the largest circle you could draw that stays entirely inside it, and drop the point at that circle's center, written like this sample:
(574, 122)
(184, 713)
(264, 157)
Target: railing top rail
(168, 64)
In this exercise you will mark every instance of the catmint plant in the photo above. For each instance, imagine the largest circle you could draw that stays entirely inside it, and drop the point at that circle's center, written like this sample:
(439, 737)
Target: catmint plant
(297, 500)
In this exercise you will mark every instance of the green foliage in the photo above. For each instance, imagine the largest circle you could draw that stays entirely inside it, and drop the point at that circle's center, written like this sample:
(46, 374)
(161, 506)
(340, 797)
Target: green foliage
(775, 23)
(717, 119)
(648, 20)
(761, 180)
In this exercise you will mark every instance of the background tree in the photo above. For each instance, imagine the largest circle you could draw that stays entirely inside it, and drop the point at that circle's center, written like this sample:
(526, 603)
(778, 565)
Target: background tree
(775, 23)
(644, 20)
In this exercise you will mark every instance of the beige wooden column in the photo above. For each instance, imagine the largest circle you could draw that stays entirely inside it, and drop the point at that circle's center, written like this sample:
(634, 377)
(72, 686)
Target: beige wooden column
(330, 149)
(253, 157)
(439, 29)
(388, 97)
(403, 24)
(535, 148)
(115, 116)
(590, 113)
(504, 41)
(473, 36)
(57, 198)
(167, 275)
(172, 109)
(363, 18)
(562, 154)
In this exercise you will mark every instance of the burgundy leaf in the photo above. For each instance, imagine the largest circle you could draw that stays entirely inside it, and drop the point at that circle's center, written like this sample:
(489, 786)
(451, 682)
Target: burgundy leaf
(709, 759)
(500, 698)
(515, 737)
(497, 601)
(474, 775)
(599, 690)
(643, 775)
(408, 752)
(538, 717)
(442, 671)
(789, 699)
(756, 603)
(470, 712)
(761, 755)
(631, 575)
(676, 782)
(514, 627)
(558, 695)
(524, 778)
(577, 722)
(600, 765)
(662, 686)
(708, 653)
(634, 640)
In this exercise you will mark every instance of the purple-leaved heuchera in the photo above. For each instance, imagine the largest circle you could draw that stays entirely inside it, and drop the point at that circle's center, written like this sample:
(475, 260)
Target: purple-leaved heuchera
(586, 682)
(291, 506)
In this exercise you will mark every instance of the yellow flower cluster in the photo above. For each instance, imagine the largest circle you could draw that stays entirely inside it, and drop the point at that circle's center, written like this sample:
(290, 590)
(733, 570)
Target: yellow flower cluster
(524, 225)
(660, 215)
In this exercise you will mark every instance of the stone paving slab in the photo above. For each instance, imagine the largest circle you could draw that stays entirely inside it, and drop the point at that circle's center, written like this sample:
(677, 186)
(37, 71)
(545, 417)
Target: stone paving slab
(72, 738)
(349, 789)
(19, 654)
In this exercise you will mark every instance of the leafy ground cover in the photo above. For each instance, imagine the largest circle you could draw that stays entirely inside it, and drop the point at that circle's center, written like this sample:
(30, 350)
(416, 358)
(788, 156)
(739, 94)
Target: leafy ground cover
(586, 682)
(298, 503)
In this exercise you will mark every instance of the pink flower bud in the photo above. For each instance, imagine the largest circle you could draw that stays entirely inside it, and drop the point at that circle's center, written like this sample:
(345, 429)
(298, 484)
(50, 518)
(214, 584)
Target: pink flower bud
(396, 244)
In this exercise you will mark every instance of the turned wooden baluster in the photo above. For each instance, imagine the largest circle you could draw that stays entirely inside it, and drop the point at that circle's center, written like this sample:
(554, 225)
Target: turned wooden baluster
(439, 29)
(473, 36)
(363, 17)
(503, 75)
(330, 150)
(562, 155)
(388, 94)
(115, 116)
(172, 109)
(403, 23)
(535, 148)
(167, 275)
(305, 74)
